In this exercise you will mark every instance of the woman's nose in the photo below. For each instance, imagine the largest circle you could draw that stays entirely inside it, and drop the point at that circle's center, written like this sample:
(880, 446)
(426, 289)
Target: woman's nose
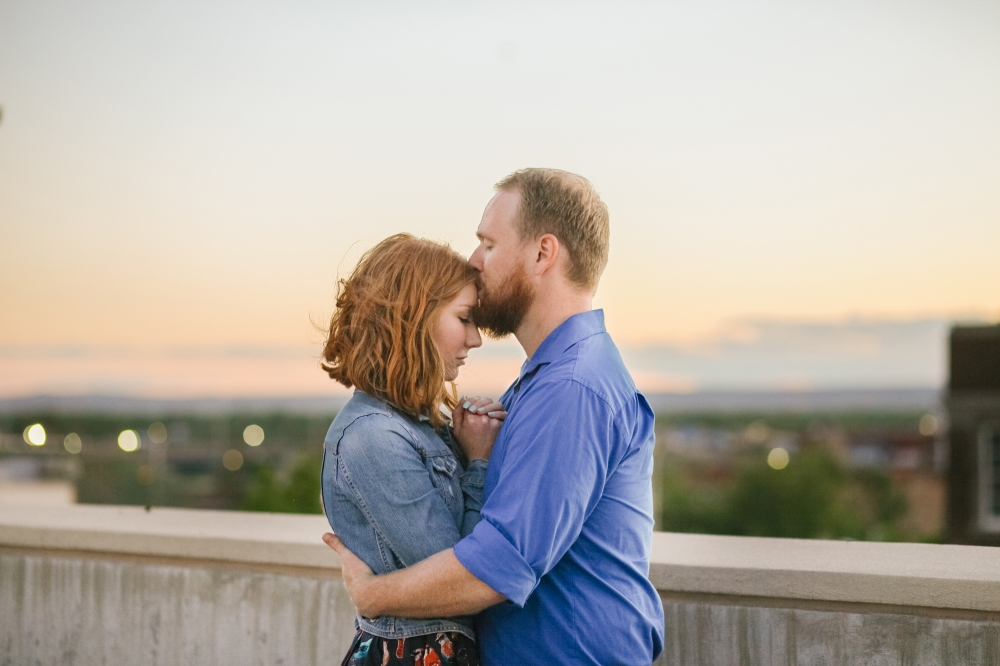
(474, 339)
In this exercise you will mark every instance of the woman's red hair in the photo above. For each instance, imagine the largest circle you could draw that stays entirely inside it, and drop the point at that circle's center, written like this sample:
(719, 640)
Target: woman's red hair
(380, 334)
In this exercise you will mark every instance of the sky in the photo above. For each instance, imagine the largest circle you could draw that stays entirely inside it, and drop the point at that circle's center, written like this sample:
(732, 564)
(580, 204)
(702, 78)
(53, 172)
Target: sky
(801, 196)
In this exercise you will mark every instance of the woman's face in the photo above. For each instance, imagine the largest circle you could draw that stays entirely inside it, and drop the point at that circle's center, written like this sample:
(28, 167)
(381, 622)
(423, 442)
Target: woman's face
(455, 333)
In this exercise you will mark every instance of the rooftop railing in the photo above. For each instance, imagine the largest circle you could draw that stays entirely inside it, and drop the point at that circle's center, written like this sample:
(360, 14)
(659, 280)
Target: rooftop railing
(97, 585)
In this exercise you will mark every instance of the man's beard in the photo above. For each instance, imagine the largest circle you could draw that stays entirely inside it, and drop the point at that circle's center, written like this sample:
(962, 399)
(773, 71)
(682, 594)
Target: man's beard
(501, 310)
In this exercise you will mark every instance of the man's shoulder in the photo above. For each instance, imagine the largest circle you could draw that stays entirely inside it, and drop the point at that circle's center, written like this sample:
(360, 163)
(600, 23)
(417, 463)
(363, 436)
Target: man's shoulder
(593, 370)
(598, 366)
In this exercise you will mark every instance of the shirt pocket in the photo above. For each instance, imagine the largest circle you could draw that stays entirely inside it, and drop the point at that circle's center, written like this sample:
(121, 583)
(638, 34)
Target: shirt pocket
(443, 469)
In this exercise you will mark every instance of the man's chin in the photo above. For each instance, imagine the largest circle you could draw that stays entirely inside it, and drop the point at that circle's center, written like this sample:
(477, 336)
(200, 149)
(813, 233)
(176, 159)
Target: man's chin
(494, 334)
(502, 309)
(497, 323)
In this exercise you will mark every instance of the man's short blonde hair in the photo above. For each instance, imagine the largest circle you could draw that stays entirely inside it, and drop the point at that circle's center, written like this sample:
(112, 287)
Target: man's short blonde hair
(568, 207)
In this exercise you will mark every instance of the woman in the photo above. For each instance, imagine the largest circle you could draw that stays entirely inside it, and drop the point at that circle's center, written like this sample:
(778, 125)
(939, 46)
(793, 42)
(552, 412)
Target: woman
(396, 486)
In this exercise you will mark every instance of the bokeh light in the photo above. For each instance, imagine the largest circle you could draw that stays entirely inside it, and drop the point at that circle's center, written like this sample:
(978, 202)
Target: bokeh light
(72, 443)
(128, 440)
(253, 435)
(777, 458)
(757, 432)
(232, 460)
(928, 425)
(35, 434)
(157, 433)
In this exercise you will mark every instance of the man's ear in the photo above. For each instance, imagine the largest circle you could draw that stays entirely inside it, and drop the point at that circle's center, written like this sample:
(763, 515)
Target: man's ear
(548, 249)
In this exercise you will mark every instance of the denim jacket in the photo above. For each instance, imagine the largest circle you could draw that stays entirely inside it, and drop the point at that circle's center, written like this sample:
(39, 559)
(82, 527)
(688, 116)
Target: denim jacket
(395, 493)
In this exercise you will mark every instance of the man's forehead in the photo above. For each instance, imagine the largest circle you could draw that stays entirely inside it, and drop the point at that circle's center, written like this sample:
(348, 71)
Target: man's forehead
(486, 229)
(499, 214)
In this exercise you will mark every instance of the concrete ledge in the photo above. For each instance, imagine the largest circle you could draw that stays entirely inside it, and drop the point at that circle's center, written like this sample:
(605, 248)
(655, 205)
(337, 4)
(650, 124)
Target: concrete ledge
(887, 574)
(226, 536)
(897, 574)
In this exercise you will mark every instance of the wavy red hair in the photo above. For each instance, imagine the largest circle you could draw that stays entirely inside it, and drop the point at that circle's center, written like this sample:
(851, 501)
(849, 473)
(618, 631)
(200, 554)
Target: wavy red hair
(380, 334)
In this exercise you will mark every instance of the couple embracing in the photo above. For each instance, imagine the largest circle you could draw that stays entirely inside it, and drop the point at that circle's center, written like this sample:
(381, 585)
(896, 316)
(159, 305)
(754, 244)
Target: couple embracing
(472, 531)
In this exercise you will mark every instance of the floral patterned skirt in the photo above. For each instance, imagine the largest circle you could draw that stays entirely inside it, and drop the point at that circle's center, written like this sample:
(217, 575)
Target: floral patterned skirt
(444, 649)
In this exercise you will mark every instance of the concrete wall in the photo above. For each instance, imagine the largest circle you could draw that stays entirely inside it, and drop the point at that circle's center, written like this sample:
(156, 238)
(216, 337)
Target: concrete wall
(59, 610)
(115, 585)
(710, 633)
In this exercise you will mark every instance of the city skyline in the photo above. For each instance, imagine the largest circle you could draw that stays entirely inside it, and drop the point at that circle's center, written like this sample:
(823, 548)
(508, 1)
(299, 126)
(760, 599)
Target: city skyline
(745, 356)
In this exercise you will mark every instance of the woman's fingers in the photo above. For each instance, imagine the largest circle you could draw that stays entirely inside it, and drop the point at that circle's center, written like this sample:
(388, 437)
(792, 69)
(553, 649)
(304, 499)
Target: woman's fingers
(492, 406)
(474, 402)
(475, 411)
(458, 419)
(476, 423)
(482, 405)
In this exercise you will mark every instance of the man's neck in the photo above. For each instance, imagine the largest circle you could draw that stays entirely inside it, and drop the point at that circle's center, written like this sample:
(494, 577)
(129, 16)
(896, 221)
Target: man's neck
(546, 313)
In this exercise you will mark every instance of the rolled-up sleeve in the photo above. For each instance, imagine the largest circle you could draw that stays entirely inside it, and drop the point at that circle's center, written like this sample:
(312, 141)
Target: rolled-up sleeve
(493, 559)
(551, 476)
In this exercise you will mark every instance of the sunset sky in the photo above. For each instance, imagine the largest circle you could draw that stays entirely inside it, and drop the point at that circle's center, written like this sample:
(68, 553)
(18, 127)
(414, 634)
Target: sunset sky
(801, 196)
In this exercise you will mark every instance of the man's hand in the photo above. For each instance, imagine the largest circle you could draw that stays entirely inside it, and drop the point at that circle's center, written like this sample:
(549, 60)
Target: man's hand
(355, 572)
(436, 587)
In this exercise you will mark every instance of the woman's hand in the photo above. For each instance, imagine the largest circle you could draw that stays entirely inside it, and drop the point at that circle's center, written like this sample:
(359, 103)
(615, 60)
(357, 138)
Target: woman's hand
(477, 422)
(475, 404)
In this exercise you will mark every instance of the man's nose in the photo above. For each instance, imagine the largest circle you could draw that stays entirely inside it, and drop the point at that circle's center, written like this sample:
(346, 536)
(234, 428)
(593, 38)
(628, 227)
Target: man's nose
(476, 259)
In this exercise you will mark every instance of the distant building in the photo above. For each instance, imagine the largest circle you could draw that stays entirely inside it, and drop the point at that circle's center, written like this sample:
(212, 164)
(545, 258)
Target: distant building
(974, 456)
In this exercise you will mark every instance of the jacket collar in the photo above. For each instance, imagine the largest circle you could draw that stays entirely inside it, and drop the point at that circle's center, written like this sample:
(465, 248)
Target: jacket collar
(386, 406)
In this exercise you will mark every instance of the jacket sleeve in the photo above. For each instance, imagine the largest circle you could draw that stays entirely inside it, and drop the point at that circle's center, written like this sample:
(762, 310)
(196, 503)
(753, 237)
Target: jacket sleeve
(387, 479)
(473, 482)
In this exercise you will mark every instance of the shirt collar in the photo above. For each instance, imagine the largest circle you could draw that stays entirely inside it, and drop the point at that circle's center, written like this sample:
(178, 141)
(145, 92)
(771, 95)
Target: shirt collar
(567, 334)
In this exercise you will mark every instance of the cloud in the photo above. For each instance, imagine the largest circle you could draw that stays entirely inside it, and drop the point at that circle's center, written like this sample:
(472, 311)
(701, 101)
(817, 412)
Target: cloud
(787, 355)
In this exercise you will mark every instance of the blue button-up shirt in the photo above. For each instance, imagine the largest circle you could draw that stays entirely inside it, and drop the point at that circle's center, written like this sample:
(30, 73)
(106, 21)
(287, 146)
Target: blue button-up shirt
(567, 521)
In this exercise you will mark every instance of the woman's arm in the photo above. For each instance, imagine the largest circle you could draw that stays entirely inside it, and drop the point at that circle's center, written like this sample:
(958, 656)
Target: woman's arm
(473, 482)
(476, 435)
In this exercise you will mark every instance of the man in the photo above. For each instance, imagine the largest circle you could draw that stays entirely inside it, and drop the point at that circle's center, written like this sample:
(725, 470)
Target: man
(558, 564)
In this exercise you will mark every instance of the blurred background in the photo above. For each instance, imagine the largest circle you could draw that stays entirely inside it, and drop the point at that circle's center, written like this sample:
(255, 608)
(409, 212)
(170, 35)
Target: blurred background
(803, 199)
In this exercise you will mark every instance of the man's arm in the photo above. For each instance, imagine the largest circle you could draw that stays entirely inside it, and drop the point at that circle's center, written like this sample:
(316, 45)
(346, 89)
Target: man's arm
(439, 586)
(554, 471)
